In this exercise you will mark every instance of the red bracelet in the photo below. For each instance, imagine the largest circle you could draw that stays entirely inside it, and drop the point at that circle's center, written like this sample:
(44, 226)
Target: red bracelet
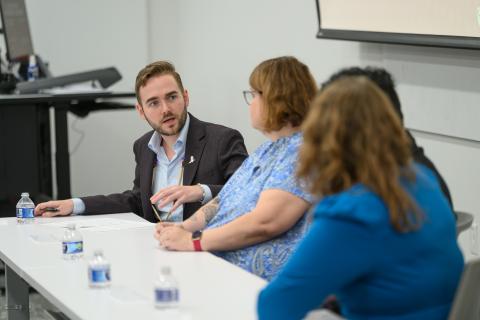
(197, 245)
(196, 237)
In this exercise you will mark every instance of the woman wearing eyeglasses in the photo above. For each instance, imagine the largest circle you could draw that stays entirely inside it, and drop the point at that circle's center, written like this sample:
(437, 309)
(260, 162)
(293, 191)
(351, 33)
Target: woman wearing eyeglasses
(259, 215)
(383, 238)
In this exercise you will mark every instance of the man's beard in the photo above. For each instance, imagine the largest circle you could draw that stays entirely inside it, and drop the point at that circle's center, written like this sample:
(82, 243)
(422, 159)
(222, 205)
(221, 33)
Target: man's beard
(173, 131)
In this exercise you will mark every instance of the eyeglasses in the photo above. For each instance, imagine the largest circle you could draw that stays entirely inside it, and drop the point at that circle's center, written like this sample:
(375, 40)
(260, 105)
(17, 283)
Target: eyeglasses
(249, 95)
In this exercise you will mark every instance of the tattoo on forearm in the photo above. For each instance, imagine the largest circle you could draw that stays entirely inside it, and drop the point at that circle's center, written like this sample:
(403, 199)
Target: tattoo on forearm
(193, 218)
(211, 209)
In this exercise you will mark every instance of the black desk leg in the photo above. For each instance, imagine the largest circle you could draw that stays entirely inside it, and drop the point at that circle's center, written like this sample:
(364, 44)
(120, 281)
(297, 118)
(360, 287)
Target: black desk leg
(62, 156)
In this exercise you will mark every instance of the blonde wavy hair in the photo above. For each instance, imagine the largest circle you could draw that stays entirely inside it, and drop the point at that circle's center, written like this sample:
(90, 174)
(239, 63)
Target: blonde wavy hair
(353, 135)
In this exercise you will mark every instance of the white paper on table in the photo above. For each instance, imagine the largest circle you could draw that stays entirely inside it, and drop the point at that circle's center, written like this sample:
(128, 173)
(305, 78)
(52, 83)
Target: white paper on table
(101, 224)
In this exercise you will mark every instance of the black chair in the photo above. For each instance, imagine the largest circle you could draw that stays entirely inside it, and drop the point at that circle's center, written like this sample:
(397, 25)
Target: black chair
(464, 221)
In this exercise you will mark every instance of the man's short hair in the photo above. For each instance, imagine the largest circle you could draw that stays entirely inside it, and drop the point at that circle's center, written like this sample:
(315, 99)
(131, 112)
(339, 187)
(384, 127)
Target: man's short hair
(287, 88)
(157, 68)
(379, 76)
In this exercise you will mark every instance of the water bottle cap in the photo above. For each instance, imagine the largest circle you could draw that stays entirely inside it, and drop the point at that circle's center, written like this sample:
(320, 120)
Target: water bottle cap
(71, 226)
(32, 60)
(97, 253)
(165, 270)
(25, 194)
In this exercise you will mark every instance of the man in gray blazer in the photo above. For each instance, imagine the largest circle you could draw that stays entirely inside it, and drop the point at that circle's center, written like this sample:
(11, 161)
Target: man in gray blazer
(180, 165)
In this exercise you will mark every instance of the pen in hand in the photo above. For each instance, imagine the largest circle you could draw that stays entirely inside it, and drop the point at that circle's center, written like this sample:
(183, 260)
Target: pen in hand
(180, 181)
(156, 212)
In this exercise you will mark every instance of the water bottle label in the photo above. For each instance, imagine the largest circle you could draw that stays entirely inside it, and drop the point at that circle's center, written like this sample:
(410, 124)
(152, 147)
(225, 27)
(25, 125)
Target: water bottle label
(25, 213)
(32, 73)
(72, 247)
(166, 295)
(99, 275)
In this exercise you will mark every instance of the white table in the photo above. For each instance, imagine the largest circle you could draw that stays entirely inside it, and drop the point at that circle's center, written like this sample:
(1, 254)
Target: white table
(210, 288)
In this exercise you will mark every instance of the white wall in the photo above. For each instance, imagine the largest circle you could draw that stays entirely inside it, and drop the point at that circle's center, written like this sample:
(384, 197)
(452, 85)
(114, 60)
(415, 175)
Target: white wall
(216, 44)
(77, 36)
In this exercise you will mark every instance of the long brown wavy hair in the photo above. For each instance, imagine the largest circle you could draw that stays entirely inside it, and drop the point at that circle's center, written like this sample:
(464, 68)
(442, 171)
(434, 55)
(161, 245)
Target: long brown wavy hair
(353, 135)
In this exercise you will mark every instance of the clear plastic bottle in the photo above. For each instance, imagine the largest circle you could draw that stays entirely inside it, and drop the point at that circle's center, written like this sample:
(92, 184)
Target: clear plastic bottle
(32, 71)
(72, 243)
(25, 209)
(166, 289)
(99, 271)
(474, 240)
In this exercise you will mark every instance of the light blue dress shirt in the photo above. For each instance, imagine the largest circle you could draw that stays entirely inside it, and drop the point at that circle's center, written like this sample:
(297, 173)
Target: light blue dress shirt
(166, 173)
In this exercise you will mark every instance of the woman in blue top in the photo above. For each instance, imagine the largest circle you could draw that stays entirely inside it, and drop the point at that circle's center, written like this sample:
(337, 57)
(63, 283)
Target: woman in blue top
(383, 237)
(258, 217)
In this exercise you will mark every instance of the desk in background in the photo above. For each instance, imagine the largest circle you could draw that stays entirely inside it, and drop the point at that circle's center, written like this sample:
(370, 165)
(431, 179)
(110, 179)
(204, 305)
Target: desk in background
(25, 147)
(210, 287)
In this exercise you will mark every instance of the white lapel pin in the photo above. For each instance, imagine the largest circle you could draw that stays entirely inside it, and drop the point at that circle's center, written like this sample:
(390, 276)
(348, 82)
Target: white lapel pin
(192, 159)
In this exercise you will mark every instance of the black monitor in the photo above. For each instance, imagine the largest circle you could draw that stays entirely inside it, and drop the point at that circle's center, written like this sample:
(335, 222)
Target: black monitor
(16, 29)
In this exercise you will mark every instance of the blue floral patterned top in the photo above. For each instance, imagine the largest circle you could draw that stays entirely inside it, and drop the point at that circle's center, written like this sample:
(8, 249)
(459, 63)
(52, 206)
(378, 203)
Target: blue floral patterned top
(271, 166)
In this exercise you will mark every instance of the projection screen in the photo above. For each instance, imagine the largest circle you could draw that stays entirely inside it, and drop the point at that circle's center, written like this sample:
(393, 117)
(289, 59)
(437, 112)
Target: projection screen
(444, 23)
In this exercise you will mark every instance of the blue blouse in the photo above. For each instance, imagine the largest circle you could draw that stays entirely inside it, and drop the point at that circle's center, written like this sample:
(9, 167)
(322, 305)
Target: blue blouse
(271, 166)
(351, 250)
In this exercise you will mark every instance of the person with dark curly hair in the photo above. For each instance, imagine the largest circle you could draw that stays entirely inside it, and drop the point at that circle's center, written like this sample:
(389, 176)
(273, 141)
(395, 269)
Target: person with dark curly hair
(383, 79)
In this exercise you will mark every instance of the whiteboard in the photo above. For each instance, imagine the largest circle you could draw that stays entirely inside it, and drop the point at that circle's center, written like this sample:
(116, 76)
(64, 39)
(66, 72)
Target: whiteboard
(430, 22)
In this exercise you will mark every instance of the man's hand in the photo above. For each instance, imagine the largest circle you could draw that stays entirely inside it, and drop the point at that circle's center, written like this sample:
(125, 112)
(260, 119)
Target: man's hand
(178, 195)
(174, 237)
(54, 208)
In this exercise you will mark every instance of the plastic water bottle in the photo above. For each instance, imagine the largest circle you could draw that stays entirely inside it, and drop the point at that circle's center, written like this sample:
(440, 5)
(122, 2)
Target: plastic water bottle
(474, 240)
(25, 208)
(32, 71)
(72, 243)
(99, 271)
(166, 289)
